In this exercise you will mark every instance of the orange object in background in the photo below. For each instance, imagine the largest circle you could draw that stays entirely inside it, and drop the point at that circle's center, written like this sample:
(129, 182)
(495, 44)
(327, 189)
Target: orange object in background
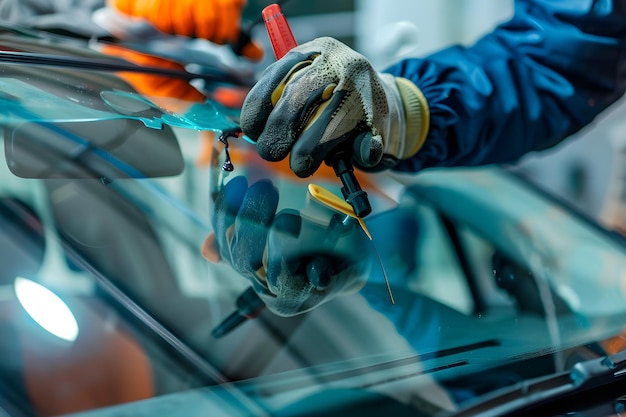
(105, 365)
(153, 85)
(231, 97)
(218, 21)
(174, 94)
(614, 344)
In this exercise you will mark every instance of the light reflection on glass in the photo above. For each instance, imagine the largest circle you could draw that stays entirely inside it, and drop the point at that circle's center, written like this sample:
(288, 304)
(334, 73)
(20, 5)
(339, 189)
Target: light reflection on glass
(47, 309)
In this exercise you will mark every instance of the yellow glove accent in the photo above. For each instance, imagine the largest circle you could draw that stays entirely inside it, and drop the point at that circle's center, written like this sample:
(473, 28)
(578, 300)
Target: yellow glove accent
(417, 116)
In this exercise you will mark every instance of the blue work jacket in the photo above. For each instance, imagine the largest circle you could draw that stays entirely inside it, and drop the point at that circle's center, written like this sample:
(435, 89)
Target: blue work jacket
(526, 86)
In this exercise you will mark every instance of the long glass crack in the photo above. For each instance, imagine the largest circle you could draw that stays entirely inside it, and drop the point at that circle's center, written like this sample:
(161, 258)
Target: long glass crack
(382, 268)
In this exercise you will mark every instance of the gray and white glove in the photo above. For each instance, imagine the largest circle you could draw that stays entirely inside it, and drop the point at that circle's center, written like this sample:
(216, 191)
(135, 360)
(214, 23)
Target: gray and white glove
(322, 94)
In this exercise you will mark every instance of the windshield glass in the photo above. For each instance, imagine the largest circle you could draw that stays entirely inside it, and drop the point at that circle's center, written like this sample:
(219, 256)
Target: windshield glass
(106, 199)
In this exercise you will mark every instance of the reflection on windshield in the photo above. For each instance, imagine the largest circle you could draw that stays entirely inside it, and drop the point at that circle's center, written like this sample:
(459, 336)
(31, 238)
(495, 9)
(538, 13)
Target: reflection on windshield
(141, 238)
(49, 136)
(488, 276)
(123, 149)
(46, 308)
(65, 122)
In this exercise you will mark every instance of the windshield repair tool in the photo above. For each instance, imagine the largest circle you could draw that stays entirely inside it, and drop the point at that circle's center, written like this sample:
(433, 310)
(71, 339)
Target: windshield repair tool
(283, 41)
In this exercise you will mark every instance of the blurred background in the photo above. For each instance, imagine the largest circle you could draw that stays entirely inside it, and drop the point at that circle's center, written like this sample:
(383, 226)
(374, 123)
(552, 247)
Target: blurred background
(588, 170)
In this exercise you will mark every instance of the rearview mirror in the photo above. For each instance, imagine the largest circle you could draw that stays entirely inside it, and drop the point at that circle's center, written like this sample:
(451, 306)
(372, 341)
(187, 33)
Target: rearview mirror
(112, 148)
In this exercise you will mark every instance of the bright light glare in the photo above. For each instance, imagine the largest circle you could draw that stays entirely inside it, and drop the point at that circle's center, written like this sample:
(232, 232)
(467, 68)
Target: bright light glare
(47, 309)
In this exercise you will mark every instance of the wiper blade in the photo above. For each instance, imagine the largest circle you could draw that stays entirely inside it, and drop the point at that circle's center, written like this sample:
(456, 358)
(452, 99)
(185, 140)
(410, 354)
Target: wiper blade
(104, 64)
(601, 371)
(587, 383)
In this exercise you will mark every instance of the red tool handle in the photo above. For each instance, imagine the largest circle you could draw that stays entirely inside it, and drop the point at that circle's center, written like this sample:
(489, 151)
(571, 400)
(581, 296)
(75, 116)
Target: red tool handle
(278, 30)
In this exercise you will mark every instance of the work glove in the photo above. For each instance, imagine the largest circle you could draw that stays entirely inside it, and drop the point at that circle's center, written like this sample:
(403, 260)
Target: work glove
(218, 21)
(294, 263)
(321, 97)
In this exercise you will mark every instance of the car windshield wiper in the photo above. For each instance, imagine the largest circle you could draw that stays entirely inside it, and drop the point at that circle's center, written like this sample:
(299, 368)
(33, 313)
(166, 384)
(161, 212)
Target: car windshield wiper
(588, 383)
(105, 64)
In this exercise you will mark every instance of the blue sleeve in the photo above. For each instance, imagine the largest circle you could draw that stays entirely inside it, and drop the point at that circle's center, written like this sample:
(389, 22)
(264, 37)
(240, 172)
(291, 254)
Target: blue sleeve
(532, 82)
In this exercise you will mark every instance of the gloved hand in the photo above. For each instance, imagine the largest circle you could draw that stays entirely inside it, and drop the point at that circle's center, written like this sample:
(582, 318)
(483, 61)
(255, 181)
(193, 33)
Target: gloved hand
(218, 21)
(322, 93)
(293, 263)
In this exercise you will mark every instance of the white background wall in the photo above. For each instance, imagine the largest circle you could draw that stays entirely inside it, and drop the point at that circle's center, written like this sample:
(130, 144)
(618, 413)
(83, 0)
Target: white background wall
(437, 24)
